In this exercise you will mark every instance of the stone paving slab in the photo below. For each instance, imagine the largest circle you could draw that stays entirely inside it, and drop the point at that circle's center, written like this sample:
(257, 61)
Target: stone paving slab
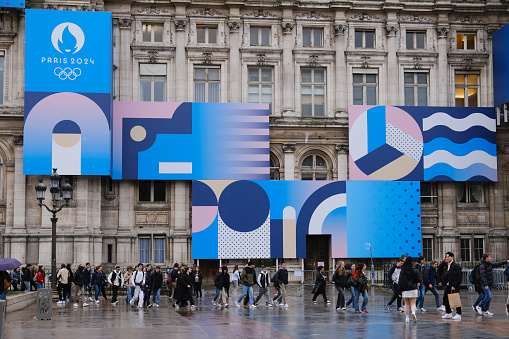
(302, 320)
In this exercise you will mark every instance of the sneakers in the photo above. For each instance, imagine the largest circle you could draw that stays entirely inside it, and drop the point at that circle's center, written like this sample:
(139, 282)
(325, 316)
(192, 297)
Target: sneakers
(214, 303)
(407, 319)
(314, 301)
(225, 305)
(149, 306)
(442, 308)
(193, 307)
(328, 301)
(176, 307)
(358, 312)
(473, 307)
(156, 305)
(237, 304)
(85, 304)
(479, 310)
(268, 305)
(114, 303)
(401, 309)
(343, 308)
(423, 310)
(488, 313)
(457, 317)
(414, 317)
(286, 306)
(75, 305)
(97, 301)
(389, 308)
(252, 306)
(365, 311)
(447, 316)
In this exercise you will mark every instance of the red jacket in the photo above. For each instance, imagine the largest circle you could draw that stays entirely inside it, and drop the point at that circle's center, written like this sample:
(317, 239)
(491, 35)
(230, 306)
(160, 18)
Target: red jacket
(39, 278)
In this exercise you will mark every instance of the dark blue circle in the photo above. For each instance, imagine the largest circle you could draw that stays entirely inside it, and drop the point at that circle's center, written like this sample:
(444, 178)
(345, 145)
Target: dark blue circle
(244, 206)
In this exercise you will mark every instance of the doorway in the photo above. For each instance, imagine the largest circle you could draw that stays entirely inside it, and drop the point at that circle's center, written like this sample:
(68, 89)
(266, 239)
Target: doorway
(317, 254)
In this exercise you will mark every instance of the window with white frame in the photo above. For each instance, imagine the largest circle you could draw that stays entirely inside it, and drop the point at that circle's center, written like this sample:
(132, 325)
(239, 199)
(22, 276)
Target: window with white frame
(259, 36)
(2, 72)
(470, 192)
(465, 248)
(144, 250)
(312, 37)
(415, 40)
(152, 82)
(364, 38)
(416, 89)
(465, 41)
(428, 192)
(427, 247)
(152, 190)
(312, 90)
(478, 247)
(206, 84)
(314, 167)
(206, 34)
(260, 85)
(365, 89)
(466, 89)
(152, 32)
(159, 249)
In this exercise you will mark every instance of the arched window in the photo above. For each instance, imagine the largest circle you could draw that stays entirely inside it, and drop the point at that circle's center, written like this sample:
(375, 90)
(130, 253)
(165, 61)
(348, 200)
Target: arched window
(274, 169)
(314, 167)
(1, 178)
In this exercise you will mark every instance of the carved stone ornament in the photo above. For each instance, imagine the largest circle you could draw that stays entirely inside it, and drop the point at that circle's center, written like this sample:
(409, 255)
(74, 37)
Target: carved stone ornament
(288, 148)
(207, 57)
(415, 18)
(312, 15)
(180, 25)
(342, 148)
(417, 63)
(260, 13)
(340, 29)
(261, 59)
(207, 11)
(365, 62)
(442, 31)
(125, 23)
(365, 17)
(152, 56)
(490, 31)
(467, 63)
(234, 26)
(468, 19)
(391, 29)
(17, 139)
(313, 60)
(287, 27)
(50, 6)
(152, 10)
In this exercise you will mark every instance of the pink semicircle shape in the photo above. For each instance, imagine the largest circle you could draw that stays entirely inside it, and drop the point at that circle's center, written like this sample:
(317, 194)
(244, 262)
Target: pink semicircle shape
(203, 216)
(403, 121)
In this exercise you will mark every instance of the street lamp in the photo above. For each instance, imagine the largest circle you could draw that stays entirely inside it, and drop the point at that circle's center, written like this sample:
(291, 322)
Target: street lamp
(57, 193)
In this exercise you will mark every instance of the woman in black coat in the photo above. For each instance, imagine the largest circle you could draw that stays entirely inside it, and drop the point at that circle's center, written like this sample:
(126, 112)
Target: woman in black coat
(339, 279)
(320, 285)
(409, 281)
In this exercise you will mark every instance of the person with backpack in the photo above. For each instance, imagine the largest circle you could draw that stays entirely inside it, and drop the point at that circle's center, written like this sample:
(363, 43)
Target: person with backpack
(486, 275)
(339, 279)
(410, 280)
(138, 280)
(420, 266)
(350, 284)
(174, 274)
(393, 277)
(247, 280)
(116, 281)
(474, 278)
(281, 278)
(320, 284)
(431, 280)
(15, 278)
(78, 287)
(219, 285)
(26, 276)
(360, 288)
(263, 282)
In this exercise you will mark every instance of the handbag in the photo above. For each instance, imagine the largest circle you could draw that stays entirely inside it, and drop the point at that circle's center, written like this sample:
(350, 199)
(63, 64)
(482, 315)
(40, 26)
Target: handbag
(454, 300)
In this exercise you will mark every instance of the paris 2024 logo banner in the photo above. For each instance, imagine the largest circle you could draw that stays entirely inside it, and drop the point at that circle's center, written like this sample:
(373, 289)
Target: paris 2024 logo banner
(68, 80)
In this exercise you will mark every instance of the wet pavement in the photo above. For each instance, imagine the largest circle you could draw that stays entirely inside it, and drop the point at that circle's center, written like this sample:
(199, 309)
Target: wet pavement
(302, 320)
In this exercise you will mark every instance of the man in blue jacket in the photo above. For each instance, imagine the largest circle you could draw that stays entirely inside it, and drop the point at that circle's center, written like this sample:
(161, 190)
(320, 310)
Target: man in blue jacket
(431, 281)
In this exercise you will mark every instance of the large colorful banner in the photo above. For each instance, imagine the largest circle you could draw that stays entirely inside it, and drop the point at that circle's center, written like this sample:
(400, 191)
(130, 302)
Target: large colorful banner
(183, 140)
(68, 79)
(422, 143)
(10, 3)
(500, 41)
(271, 219)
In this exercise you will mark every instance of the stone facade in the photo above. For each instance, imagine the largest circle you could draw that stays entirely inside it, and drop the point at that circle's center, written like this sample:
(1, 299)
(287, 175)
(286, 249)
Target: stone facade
(330, 40)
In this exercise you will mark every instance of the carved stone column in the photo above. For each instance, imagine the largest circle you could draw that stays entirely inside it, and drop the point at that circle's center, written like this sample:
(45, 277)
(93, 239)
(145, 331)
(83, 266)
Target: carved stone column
(125, 70)
(443, 75)
(19, 225)
(340, 33)
(392, 65)
(180, 59)
(289, 150)
(235, 68)
(342, 151)
(288, 70)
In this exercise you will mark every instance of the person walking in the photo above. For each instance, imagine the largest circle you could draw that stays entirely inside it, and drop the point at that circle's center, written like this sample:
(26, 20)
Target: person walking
(39, 277)
(431, 280)
(476, 277)
(320, 284)
(451, 280)
(219, 282)
(410, 280)
(138, 281)
(281, 278)
(263, 282)
(188, 284)
(235, 280)
(350, 284)
(148, 285)
(486, 272)
(393, 277)
(98, 281)
(15, 278)
(157, 283)
(63, 282)
(361, 286)
(78, 287)
(198, 280)
(128, 283)
(247, 280)
(116, 281)
(87, 287)
(339, 279)
(421, 267)
(26, 276)
(174, 273)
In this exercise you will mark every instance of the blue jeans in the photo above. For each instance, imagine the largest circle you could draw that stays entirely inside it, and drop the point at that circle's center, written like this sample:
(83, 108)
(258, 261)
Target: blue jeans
(3, 295)
(249, 291)
(481, 296)
(436, 294)
(485, 303)
(420, 298)
(130, 293)
(27, 286)
(350, 301)
(40, 285)
(356, 299)
(156, 296)
(218, 291)
(88, 288)
(97, 291)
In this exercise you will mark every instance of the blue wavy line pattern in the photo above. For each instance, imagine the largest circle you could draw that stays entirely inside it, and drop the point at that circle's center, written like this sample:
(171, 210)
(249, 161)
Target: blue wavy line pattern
(474, 144)
(453, 174)
(477, 132)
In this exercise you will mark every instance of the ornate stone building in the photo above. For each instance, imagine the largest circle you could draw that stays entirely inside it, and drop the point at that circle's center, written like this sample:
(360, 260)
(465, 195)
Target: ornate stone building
(309, 60)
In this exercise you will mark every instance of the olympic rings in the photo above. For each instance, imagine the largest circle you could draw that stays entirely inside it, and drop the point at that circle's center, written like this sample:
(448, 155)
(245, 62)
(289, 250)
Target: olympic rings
(67, 73)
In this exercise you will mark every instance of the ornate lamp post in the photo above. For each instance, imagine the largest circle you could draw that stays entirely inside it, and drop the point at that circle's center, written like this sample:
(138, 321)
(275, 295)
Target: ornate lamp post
(57, 193)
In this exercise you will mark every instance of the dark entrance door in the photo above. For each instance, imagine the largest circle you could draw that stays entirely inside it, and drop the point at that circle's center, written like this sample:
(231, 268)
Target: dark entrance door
(317, 253)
